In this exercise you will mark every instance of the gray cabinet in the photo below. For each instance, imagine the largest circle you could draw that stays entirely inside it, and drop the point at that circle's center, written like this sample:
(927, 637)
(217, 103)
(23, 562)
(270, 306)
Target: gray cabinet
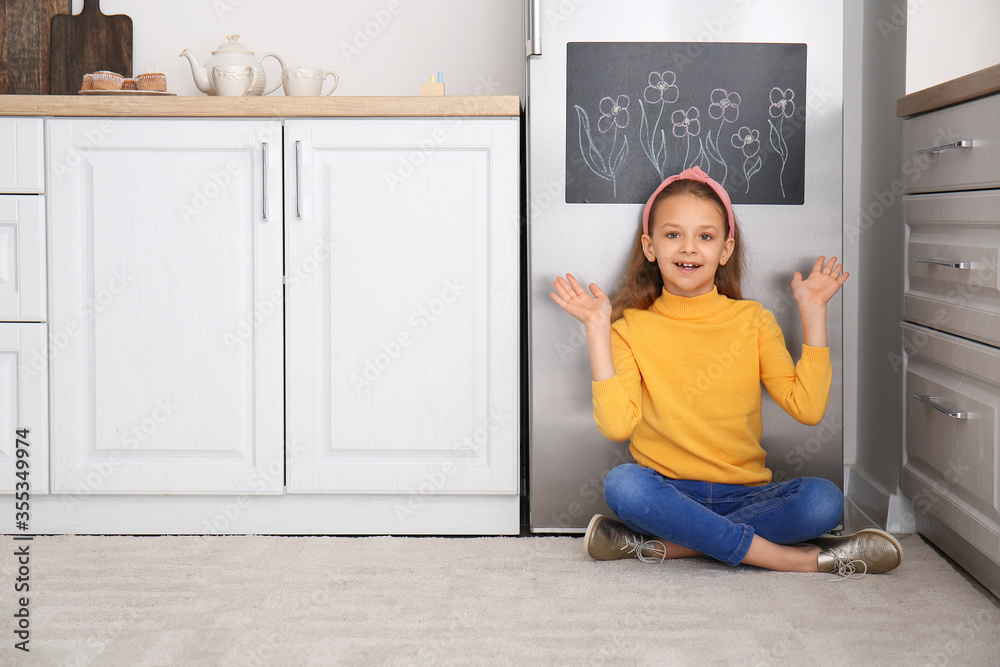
(951, 336)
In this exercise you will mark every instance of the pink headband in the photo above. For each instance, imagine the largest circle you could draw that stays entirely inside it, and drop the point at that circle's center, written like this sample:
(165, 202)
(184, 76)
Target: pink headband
(691, 174)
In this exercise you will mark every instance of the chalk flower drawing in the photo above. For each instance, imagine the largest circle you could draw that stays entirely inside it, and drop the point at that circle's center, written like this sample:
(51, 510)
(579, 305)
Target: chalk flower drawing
(614, 114)
(606, 153)
(782, 107)
(725, 108)
(685, 123)
(781, 103)
(724, 105)
(662, 90)
(748, 141)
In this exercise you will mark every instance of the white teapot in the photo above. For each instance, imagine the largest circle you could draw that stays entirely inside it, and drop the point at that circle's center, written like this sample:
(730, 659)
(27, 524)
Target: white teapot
(231, 55)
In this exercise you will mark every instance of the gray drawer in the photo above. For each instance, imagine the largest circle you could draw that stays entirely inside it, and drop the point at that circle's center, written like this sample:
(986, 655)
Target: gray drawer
(952, 259)
(950, 455)
(973, 167)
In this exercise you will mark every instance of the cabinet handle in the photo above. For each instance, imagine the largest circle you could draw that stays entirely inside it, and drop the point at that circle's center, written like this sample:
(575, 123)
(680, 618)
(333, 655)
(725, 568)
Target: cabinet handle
(965, 266)
(964, 143)
(931, 401)
(264, 188)
(298, 180)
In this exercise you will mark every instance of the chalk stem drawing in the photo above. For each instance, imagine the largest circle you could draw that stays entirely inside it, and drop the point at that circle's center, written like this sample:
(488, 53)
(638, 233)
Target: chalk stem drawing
(748, 141)
(662, 90)
(701, 158)
(782, 107)
(614, 115)
(647, 139)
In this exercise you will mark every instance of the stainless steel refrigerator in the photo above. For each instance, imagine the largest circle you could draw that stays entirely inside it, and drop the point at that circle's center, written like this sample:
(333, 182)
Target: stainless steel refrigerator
(620, 94)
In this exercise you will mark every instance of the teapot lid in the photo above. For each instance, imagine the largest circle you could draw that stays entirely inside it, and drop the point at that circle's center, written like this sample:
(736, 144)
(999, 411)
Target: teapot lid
(233, 46)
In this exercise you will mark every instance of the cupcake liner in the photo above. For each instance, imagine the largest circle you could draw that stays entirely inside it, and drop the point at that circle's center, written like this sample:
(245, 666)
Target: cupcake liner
(108, 81)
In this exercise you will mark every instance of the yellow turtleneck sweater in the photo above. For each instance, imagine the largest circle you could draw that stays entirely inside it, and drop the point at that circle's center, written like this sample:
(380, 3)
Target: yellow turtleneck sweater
(687, 381)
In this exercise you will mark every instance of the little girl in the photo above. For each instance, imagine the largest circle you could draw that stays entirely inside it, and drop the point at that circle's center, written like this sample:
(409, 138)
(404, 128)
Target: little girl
(700, 486)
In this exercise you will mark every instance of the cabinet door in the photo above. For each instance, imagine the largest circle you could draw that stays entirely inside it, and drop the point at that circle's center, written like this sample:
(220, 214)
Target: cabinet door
(24, 402)
(951, 451)
(22, 258)
(21, 163)
(166, 306)
(401, 255)
(951, 279)
(954, 148)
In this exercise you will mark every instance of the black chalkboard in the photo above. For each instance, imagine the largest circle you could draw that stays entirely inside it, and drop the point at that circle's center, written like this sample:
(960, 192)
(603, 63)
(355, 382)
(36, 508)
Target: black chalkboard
(637, 112)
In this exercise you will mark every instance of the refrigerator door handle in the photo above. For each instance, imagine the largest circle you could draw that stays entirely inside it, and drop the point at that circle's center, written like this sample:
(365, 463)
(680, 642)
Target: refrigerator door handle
(534, 44)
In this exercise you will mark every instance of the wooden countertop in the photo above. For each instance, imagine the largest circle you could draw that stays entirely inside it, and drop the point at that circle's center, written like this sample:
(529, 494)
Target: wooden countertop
(964, 88)
(203, 106)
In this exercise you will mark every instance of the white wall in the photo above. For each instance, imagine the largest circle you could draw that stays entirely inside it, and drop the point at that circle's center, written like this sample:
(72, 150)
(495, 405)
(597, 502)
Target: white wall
(946, 39)
(378, 47)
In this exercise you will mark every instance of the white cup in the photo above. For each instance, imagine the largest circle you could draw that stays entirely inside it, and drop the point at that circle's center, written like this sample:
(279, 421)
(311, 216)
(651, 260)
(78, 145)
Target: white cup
(306, 81)
(233, 80)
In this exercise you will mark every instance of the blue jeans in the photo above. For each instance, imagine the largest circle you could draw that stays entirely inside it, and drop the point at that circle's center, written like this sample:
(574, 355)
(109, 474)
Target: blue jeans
(720, 520)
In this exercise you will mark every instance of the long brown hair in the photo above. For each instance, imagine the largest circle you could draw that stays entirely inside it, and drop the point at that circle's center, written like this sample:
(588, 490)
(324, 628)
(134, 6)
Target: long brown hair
(642, 283)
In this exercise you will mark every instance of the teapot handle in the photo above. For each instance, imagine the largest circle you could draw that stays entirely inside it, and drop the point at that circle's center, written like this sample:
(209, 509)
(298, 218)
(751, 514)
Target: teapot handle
(280, 74)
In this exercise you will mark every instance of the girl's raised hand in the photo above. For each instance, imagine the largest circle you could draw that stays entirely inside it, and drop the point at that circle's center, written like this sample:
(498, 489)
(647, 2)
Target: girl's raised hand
(823, 282)
(593, 311)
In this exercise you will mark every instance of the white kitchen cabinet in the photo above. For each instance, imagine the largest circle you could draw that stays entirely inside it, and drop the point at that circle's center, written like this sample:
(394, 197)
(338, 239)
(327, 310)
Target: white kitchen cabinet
(22, 167)
(24, 387)
(401, 255)
(200, 271)
(165, 316)
(24, 379)
(22, 258)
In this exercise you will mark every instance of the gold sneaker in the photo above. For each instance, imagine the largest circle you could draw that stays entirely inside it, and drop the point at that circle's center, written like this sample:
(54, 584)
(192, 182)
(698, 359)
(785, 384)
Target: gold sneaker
(868, 551)
(607, 539)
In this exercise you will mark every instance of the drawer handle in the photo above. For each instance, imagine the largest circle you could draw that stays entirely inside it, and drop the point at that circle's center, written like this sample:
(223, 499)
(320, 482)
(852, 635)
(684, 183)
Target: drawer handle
(964, 143)
(965, 266)
(265, 160)
(931, 401)
(298, 180)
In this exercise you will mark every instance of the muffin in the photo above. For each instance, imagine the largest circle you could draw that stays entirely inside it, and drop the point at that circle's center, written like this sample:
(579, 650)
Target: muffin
(128, 84)
(88, 82)
(152, 81)
(108, 81)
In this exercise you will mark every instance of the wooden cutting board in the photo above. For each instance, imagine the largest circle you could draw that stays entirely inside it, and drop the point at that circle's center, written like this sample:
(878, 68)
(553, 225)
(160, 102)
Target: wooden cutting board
(24, 44)
(89, 42)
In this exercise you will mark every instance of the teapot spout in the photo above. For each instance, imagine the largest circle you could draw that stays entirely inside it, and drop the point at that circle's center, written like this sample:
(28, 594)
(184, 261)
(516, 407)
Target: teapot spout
(198, 71)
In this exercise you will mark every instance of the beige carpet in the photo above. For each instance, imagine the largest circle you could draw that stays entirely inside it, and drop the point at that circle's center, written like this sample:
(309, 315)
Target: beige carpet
(498, 601)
